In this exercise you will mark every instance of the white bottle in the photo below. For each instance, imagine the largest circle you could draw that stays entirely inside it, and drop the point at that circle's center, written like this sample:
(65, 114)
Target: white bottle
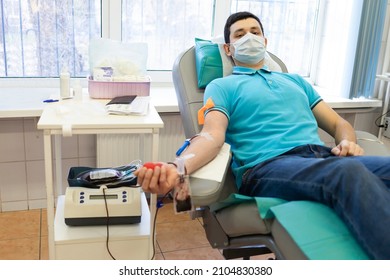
(65, 84)
(77, 90)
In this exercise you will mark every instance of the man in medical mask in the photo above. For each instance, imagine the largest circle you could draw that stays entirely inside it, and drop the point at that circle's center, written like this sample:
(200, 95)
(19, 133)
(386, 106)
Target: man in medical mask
(271, 121)
(248, 48)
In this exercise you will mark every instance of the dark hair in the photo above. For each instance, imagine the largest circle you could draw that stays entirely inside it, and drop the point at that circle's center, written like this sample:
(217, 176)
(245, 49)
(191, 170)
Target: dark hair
(236, 17)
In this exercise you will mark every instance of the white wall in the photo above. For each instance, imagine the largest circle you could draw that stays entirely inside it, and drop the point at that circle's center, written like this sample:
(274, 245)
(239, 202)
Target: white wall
(22, 172)
(22, 176)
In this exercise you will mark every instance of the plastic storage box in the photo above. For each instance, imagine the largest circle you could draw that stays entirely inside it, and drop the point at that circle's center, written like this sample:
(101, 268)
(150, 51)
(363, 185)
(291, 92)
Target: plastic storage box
(108, 90)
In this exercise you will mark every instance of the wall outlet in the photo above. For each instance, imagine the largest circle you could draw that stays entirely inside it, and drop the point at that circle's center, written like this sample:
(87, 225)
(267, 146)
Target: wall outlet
(386, 129)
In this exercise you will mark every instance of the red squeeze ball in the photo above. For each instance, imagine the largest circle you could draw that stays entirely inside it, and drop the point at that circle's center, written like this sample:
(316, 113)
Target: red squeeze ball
(152, 165)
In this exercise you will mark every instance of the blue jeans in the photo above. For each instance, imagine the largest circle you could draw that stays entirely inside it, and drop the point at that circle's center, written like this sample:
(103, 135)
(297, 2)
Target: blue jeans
(357, 188)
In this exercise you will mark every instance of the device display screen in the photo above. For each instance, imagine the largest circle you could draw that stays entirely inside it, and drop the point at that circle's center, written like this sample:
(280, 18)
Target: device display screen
(101, 196)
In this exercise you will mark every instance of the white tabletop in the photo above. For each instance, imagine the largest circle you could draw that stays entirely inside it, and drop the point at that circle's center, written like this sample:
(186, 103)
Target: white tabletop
(22, 102)
(91, 114)
(28, 102)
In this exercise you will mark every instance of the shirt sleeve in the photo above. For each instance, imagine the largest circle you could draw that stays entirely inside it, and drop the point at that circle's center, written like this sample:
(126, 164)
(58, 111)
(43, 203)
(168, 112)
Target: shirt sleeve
(312, 95)
(220, 98)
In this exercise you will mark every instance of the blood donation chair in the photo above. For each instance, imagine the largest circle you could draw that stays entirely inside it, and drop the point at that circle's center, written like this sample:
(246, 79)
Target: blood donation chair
(241, 226)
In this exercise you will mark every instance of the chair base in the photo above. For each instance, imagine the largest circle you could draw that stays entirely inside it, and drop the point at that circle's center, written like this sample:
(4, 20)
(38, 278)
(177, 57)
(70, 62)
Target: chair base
(237, 247)
(245, 253)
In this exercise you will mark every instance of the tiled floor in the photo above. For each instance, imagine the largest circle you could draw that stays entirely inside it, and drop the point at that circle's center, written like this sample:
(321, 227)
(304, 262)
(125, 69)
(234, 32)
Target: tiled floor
(23, 236)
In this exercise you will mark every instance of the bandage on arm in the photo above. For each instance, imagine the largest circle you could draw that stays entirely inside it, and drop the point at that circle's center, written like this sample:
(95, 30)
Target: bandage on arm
(206, 146)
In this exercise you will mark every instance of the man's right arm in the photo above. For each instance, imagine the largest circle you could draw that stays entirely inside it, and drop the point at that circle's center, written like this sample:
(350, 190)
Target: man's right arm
(201, 150)
(207, 145)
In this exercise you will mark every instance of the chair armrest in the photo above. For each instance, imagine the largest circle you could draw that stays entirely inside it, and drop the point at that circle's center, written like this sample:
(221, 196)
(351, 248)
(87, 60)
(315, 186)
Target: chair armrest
(211, 181)
(371, 144)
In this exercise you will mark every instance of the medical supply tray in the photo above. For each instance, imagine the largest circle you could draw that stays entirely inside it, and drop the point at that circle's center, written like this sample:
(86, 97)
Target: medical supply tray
(108, 89)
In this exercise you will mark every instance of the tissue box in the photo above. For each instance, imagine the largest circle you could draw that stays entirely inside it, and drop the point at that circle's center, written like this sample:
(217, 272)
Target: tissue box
(108, 90)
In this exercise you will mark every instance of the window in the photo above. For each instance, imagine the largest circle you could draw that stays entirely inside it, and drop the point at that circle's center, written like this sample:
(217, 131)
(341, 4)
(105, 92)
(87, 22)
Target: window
(290, 27)
(39, 38)
(169, 27)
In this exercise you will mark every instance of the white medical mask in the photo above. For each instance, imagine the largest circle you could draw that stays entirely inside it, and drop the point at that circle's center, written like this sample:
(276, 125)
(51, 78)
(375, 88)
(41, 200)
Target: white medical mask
(250, 49)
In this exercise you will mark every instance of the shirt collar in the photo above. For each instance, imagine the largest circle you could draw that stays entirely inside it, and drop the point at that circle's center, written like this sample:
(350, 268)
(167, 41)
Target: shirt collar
(239, 70)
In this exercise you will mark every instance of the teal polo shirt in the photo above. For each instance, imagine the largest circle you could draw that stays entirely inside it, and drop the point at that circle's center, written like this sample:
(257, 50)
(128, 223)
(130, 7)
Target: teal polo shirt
(269, 113)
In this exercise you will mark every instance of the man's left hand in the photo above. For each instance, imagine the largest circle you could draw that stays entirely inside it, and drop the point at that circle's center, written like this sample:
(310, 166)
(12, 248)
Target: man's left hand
(347, 148)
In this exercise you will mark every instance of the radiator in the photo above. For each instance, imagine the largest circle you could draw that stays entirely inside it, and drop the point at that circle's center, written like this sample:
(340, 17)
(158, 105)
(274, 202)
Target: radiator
(119, 149)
